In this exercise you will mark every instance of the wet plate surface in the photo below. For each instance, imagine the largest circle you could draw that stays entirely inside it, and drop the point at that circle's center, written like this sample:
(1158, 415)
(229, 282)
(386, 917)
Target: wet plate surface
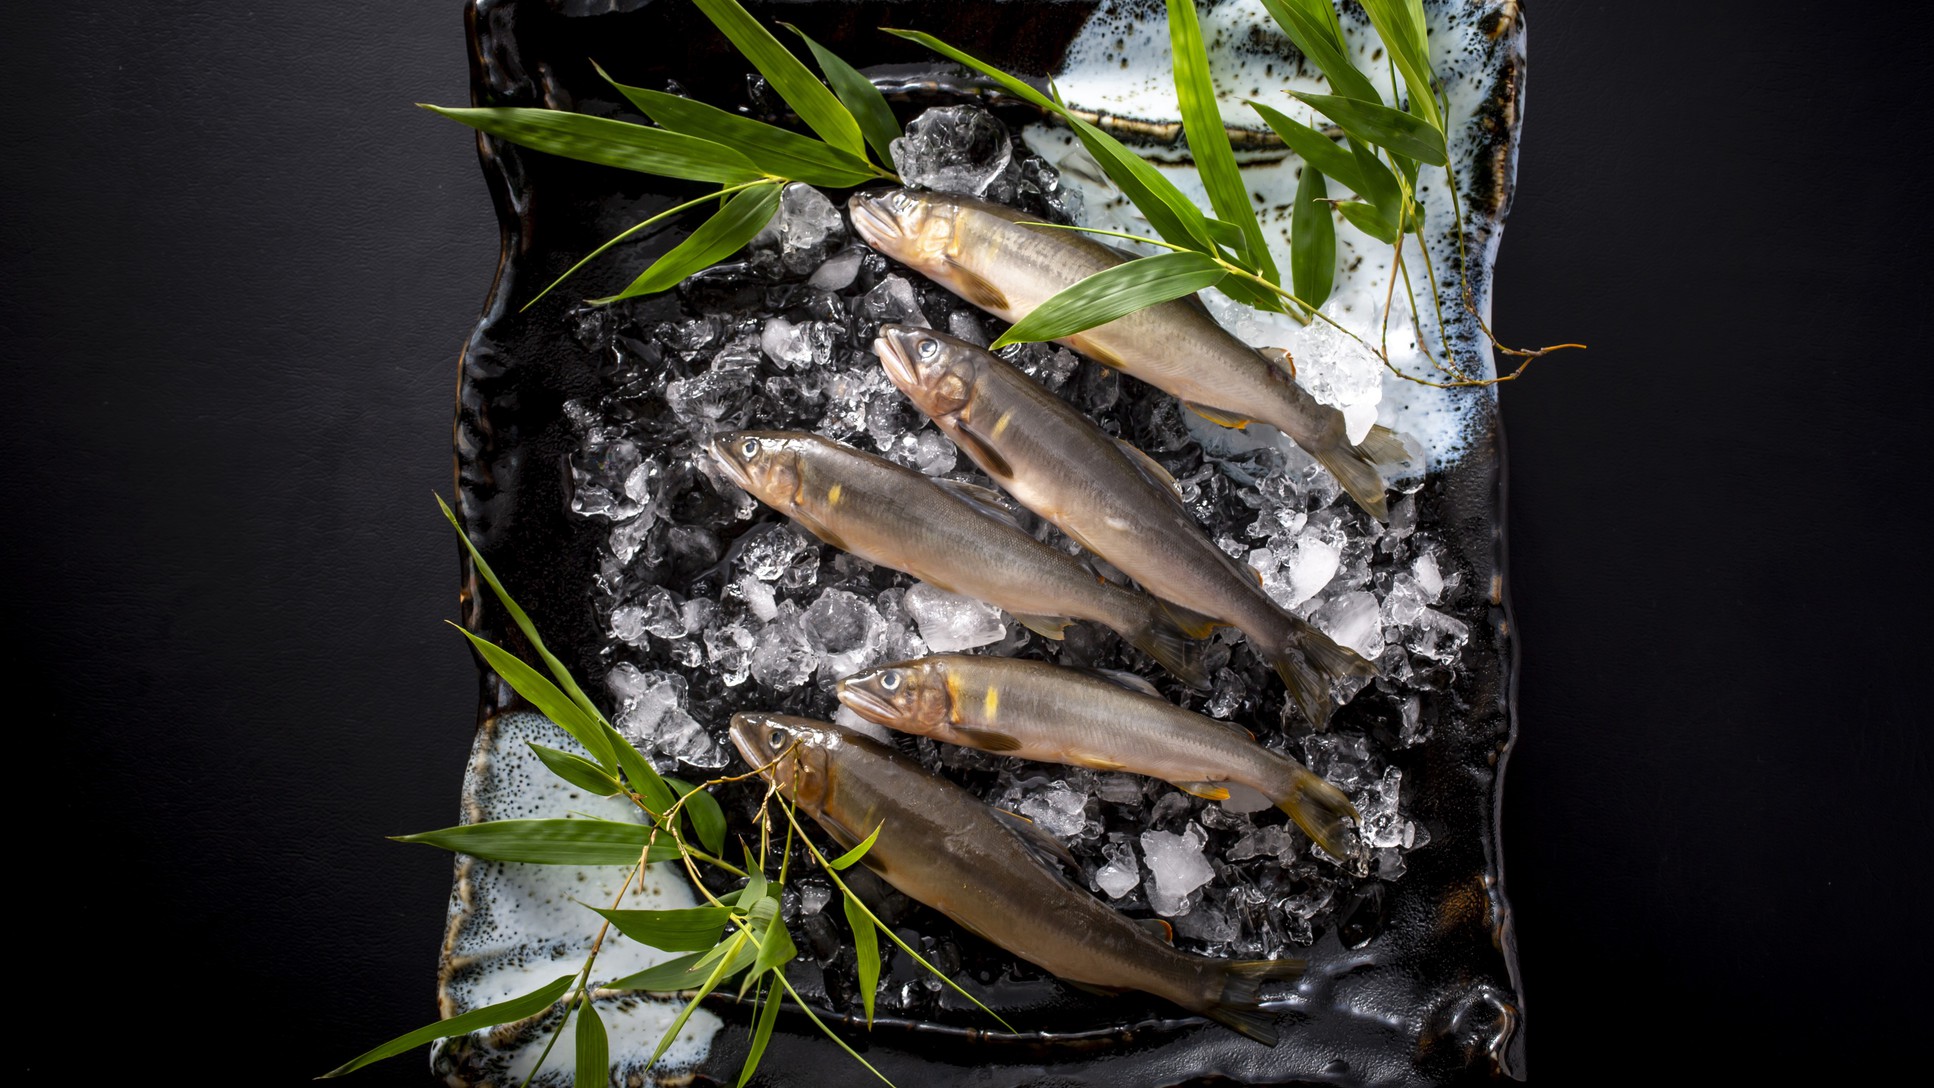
(679, 600)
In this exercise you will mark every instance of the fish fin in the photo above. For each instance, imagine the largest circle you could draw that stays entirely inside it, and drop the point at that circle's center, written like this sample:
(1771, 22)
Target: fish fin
(1158, 928)
(988, 740)
(1165, 640)
(1355, 467)
(1211, 791)
(813, 526)
(1239, 1005)
(1193, 624)
(1098, 991)
(1054, 627)
(975, 288)
(1217, 416)
(1121, 678)
(1319, 808)
(1097, 763)
(1281, 359)
(1253, 573)
(1045, 846)
(983, 453)
(984, 500)
(1108, 359)
(1152, 469)
(1309, 662)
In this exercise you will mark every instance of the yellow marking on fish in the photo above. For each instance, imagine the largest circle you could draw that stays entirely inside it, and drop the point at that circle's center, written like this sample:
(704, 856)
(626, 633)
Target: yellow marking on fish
(991, 705)
(953, 697)
(1001, 423)
(832, 497)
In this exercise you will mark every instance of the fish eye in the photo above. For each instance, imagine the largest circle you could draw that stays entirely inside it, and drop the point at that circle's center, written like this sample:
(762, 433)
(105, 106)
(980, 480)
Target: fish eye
(890, 681)
(929, 347)
(749, 448)
(776, 738)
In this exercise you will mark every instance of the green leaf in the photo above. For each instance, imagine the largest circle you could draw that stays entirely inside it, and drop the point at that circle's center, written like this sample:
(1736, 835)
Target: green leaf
(545, 696)
(718, 237)
(692, 929)
(703, 811)
(862, 99)
(1400, 23)
(1115, 292)
(1174, 216)
(610, 143)
(1322, 42)
(775, 946)
(548, 842)
(771, 148)
(673, 974)
(593, 1049)
(558, 672)
(1381, 187)
(1381, 125)
(1208, 140)
(503, 1012)
(1368, 219)
(756, 885)
(624, 234)
(640, 773)
(761, 1034)
(578, 771)
(1335, 161)
(718, 975)
(866, 942)
(1312, 239)
(788, 75)
(846, 860)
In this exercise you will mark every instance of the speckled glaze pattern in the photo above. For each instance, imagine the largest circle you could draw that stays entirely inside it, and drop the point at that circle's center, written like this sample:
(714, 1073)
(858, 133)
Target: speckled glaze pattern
(1416, 985)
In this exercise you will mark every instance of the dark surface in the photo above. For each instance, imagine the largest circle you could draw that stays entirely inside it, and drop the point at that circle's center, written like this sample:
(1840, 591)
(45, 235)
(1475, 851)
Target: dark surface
(236, 268)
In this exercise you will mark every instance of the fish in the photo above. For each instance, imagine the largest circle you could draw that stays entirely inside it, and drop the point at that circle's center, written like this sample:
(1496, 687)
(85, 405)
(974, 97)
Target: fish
(1096, 718)
(954, 536)
(988, 254)
(1110, 497)
(994, 873)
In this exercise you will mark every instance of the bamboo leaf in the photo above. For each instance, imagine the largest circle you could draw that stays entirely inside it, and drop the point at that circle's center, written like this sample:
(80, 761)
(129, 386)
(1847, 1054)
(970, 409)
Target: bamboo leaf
(638, 771)
(545, 696)
(624, 234)
(692, 929)
(503, 1012)
(771, 148)
(1174, 216)
(846, 860)
(718, 237)
(788, 75)
(673, 974)
(610, 143)
(557, 670)
(711, 982)
(1368, 219)
(1115, 292)
(1208, 140)
(1381, 125)
(702, 809)
(861, 98)
(866, 942)
(1322, 42)
(548, 841)
(1336, 162)
(775, 946)
(593, 1049)
(1312, 239)
(761, 1034)
(578, 771)
(1400, 23)
(1381, 187)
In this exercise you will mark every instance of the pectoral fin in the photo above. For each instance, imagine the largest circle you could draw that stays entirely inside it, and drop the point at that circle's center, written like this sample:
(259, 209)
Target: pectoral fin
(1045, 846)
(1096, 763)
(1281, 359)
(813, 526)
(983, 454)
(1121, 678)
(1193, 624)
(1151, 469)
(987, 740)
(1054, 627)
(985, 500)
(1213, 791)
(1217, 416)
(1161, 929)
(975, 289)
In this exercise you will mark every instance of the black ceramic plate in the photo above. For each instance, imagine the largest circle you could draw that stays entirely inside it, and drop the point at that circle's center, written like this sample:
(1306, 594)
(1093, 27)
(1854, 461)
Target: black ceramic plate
(1412, 980)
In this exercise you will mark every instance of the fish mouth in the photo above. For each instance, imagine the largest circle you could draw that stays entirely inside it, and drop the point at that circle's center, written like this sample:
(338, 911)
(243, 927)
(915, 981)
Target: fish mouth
(896, 359)
(875, 224)
(719, 446)
(855, 694)
(748, 734)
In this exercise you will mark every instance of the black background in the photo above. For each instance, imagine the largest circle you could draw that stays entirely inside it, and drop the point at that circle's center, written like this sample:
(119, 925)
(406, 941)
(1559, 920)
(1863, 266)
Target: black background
(235, 271)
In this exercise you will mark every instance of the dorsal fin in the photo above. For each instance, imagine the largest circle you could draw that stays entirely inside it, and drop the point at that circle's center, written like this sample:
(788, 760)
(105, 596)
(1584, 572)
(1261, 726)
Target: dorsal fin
(1151, 469)
(983, 499)
(1048, 848)
(1121, 678)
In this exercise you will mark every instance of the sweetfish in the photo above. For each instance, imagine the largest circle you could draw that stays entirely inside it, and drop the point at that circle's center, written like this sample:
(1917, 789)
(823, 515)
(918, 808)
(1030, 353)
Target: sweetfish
(1109, 721)
(985, 253)
(993, 873)
(1109, 496)
(954, 536)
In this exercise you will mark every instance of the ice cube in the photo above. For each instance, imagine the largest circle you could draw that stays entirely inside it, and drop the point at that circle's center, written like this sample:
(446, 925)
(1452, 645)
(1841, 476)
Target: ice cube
(1383, 825)
(954, 149)
(628, 624)
(963, 325)
(729, 646)
(778, 554)
(1119, 789)
(844, 630)
(803, 231)
(950, 622)
(931, 453)
(814, 894)
(891, 301)
(788, 343)
(757, 595)
(1429, 579)
(1437, 636)
(1176, 867)
(1119, 875)
(782, 660)
(838, 272)
(1057, 810)
(598, 474)
(1353, 620)
(1405, 602)
(1208, 925)
(1272, 841)
(845, 716)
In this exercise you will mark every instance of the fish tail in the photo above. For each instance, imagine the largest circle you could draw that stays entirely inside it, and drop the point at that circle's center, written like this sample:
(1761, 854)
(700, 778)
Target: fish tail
(1355, 467)
(1239, 1004)
(1319, 808)
(1309, 662)
(1165, 639)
